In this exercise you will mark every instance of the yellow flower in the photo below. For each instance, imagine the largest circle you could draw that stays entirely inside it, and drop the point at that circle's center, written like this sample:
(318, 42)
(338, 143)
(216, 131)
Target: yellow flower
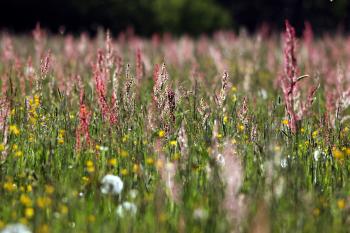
(173, 142)
(18, 153)
(347, 151)
(85, 179)
(43, 202)
(112, 162)
(124, 171)
(176, 156)
(219, 135)
(29, 188)
(24, 221)
(25, 200)
(63, 209)
(49, 189)
(60, 141)
(240, 127)
(302, 130)
(124, 153)
(2, 147)
(9, 186)
(314, 134)
(14, 129)
(233, 88)
(149, 161)
(44, 229)
(338, 154)
(161, 133)
(225, 119)
(29, 212)
(91, 218)
(135, 168)
(15, 147)
(90, 166)
(341, 204)
(125, 138)
(285, 122)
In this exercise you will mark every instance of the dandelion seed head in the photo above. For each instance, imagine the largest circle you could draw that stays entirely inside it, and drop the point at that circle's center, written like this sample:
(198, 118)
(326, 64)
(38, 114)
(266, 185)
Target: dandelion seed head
(126, 208)
(16, 228)
(111, 184)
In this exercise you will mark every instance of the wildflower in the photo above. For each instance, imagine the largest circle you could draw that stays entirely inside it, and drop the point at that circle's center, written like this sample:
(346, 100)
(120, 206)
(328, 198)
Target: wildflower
(347, 151)
(29, 212)
(317, 154)
(63, 209)
(233, 88)
(133, 193)
(25, 200)
(90, 166)
(44, 229)
(302, 130)
(111, 184)
(83, 128)
(126, 208)
(112, 162)
(289, 82)
(124, 172)
(9, 186)
(14, 129)
(341, 204)
(85, 179)
(2, 147)
(49, 189)
(149, 161)
(161, 133)
(314, 134)
(91, 218)
(135, 168)
(29, 188)
(200, 214)
(18, 153)
(124, 153)
(43, 202)
(285, 122)
(240, 127)
(15, 228)
(225, 119)
(338, 154)
(173, 142)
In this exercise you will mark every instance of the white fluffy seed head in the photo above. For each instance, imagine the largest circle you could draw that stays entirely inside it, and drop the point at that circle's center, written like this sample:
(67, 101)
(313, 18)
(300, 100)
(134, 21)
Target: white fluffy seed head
(111, 184)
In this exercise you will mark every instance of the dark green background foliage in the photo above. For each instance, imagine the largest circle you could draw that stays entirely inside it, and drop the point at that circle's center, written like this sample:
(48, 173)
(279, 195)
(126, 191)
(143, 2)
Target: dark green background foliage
(176, 16)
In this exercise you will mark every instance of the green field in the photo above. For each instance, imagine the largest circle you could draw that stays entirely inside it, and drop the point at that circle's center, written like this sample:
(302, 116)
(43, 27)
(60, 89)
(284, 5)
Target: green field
(233, 133)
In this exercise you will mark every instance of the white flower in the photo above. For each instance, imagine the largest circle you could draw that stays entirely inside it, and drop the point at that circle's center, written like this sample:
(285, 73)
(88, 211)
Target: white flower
(16, 228)
(126, 208)
(111, 184)
(103, 148)
(284, 163)
(200, 214)
(220, 160)
(133, 193)
(317, 154)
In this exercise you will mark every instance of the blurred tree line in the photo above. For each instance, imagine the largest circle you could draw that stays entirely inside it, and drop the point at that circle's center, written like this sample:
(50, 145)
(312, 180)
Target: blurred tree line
(176, 16)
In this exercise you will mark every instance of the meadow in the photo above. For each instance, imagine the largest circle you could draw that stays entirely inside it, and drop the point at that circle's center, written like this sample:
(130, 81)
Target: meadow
(229, 133)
